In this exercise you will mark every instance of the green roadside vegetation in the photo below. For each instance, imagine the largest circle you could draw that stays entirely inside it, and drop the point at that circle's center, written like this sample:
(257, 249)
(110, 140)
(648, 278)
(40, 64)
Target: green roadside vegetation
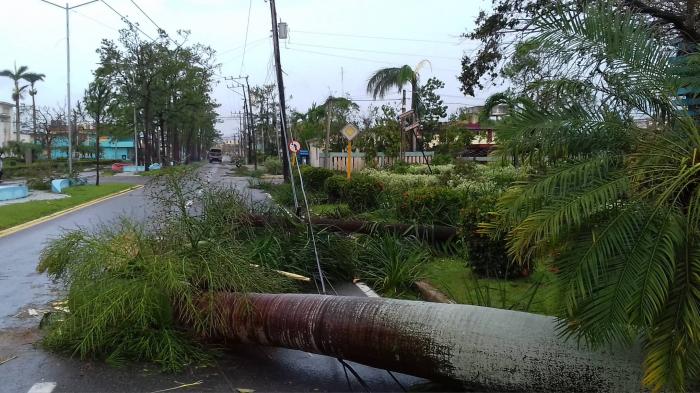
(533, 294)
(19, 213)
(470, 269)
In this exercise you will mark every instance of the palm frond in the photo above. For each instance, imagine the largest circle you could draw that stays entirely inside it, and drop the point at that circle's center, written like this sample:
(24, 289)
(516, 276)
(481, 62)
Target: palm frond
(387, 79)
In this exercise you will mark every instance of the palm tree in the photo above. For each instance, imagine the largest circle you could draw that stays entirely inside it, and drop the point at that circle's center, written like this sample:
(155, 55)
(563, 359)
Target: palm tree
(32, 78)
(16, 76)
(386, 79)
(613, 206)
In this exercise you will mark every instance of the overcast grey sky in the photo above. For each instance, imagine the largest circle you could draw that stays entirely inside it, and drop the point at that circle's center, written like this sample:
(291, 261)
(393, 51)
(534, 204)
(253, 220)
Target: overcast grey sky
(358, 36)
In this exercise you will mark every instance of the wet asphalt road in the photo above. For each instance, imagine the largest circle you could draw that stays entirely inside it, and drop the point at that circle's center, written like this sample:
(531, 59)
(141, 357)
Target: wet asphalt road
(248, 367)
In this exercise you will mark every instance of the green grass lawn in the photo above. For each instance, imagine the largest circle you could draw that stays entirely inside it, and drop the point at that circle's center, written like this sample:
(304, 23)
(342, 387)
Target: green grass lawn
(533, 294)
(19, 213)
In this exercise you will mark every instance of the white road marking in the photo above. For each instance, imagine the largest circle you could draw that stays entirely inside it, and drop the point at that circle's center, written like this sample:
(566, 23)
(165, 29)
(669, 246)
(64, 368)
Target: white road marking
(42, 387)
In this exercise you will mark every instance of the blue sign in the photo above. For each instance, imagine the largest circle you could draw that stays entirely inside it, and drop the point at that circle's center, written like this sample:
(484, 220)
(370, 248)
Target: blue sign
(303, 153)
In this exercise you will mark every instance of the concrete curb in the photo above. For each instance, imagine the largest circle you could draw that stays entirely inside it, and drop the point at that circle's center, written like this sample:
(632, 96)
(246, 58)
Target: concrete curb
(29, 224)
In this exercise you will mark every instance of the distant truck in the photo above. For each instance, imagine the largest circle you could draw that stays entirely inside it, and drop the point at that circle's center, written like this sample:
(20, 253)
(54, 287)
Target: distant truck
(214, 155)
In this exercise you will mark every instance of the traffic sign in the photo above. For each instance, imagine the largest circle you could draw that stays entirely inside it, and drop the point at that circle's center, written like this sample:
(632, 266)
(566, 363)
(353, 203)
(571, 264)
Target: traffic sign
(294, 146)
(350, 131)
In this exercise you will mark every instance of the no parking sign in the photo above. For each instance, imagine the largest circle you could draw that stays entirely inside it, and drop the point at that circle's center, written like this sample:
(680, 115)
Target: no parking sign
(294, 146)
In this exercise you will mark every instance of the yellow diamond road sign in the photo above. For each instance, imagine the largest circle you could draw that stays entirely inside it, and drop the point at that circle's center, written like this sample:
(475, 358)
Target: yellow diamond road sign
(350, 131)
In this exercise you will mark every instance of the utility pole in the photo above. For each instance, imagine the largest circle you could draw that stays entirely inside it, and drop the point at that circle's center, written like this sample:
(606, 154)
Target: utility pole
(252, 125)
(136, 141)
(280, 85)
(68, 102)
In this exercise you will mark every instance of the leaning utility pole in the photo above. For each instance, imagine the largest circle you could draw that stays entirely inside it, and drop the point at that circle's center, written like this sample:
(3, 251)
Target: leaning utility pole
(280, 85)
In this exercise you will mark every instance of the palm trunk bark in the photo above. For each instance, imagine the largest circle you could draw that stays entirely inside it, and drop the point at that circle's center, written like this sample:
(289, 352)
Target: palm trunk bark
(34, 118)
(17, 113)
(489, 348)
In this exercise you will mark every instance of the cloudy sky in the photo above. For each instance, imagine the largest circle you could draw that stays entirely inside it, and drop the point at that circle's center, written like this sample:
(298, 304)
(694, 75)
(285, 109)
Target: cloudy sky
(333, 45)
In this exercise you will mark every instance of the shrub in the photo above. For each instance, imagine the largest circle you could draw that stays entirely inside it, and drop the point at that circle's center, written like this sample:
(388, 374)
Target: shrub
(442, 159)
(332, 210)
(391, 265)
(314, 178)
(362, 193)
(431, 205)
(488, 257)
(273, 165)
(334, 187)
(397, 184)
(398, 166)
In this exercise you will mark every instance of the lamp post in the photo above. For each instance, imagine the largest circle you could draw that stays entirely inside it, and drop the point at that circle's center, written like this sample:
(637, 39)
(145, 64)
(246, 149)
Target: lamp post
(67, 8)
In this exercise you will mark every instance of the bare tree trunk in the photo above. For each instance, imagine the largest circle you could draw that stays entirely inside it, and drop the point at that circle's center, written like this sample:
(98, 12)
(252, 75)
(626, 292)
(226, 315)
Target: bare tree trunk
(494, 349)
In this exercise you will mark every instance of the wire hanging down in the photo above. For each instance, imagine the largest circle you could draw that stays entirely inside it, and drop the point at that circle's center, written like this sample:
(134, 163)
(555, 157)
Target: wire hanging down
(245, 42)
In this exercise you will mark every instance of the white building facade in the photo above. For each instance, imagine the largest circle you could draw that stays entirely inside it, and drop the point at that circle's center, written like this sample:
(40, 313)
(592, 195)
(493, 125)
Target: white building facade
(7, 125)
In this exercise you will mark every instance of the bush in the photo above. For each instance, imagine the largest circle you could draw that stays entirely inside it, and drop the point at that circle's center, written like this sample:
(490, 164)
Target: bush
(334, 187)
(432, 205)
(362, 193)
(391, 265)
(331, 210)
(399, 167)
(314, 178)
(273, 165)
(488, 257)
(442, 159)
(397, 184)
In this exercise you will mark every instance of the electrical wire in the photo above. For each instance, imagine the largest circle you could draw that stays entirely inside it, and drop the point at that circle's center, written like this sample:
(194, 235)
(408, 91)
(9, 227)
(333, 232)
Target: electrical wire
(375, 51)
(241, 46)
(291, 47)
(99, 22)
(127, 21)
(149, 18)
(245, 44)
(376, 37)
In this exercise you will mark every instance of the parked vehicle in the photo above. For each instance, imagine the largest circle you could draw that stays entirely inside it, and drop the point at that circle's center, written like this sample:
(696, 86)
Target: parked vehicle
(214, 155)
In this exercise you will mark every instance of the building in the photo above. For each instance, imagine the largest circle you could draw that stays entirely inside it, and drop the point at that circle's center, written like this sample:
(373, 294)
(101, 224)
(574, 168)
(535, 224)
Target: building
(111, 148)
(7, 125)
(6, 122)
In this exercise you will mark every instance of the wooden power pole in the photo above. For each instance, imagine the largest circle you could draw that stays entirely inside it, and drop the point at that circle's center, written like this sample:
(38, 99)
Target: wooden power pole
(280, 86)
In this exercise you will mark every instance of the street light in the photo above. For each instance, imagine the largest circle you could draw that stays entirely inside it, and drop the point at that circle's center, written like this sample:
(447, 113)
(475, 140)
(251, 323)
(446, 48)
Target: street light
(70, 129)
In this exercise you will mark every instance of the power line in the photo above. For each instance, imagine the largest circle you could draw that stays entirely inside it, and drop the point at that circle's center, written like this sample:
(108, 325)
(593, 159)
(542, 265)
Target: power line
(99, 22)
(245, 44)
(375, 37)
(149, 18)
(127, 21)
(356, 58)
(376, 51)
(241, 46)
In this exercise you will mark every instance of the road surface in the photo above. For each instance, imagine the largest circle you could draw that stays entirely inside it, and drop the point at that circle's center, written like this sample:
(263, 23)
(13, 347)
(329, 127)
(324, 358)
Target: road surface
(248, 367)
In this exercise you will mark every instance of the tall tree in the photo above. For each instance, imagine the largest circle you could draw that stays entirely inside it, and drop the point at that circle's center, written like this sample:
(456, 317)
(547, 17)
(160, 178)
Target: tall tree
(386, 79)
(613, 206)
(512, 20)
(99, 101)
(16, 75)
(169, 84)
(33, 78)
(431, 107)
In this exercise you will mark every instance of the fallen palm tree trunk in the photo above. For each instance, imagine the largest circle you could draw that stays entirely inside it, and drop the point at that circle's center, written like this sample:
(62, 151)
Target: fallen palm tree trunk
(430, 293)
(437, 233)
(491, 348)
